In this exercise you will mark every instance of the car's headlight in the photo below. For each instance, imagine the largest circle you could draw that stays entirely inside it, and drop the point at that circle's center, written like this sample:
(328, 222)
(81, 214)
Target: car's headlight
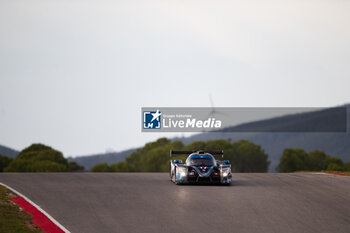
(226, 171)
(182, 171)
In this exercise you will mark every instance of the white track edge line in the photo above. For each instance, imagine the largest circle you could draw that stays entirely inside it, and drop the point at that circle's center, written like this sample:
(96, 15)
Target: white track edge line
(36, 206)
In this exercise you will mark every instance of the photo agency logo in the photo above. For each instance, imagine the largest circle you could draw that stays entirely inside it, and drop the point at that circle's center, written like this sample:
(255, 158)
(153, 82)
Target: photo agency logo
(243, 119)
(152, 119)
(178, 120)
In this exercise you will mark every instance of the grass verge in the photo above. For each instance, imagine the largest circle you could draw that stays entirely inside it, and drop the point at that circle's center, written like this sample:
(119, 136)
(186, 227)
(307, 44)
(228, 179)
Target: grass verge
(12, 218)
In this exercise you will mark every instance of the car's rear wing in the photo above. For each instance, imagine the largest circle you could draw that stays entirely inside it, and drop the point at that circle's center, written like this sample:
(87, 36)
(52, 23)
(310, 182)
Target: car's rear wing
(180, 152)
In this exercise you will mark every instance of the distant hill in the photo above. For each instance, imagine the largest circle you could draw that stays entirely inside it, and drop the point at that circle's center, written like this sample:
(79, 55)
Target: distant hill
(336, 144)
(11, 153)
(333, 143)
(89, 161)
(324, 120)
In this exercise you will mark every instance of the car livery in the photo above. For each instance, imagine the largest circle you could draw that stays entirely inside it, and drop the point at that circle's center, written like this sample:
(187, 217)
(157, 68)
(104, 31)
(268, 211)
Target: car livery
(200, 167)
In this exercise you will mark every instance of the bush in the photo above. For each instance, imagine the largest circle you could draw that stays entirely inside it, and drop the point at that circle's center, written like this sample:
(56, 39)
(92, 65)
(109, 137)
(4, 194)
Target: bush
(248, 157)
(333, 160)
(74, 167)
(46, 166)
(40, 158)
(41, 152)
(101, 167)
(346, 167)
(4, 162)
(121, 167)
(292, 160)
(19, 165)
(298, 160)
(334, 167)
(316, 161)
(154, 156)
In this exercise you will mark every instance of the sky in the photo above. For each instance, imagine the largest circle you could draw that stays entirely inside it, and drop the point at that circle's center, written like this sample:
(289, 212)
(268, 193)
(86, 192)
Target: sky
(75, 74)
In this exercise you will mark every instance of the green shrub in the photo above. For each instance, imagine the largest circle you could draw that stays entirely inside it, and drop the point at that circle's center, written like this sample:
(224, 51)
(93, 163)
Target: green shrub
(154, 156)
(346, 167)
(47, 166)
(19, 165)
(248, 157)
(298, 160)
(101, 167)
(4, 162)
(334, 167)
(40, 158)
(334, 160)
(316, 161)
(74, 167)
(292, 160)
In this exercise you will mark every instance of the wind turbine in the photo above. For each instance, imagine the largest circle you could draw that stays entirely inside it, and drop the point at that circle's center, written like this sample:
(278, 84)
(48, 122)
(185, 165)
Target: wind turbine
(214, 112)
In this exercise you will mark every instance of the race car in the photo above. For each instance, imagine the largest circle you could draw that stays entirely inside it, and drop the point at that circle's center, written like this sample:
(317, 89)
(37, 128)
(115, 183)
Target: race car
(200, 167)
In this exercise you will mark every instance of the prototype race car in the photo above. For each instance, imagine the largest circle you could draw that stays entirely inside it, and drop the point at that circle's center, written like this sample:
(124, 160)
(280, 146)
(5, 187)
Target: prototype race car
(200, 167)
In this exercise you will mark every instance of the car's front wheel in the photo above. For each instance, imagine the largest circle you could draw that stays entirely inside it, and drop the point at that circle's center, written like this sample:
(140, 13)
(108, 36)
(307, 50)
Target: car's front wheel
(172, 177)
(176, 181)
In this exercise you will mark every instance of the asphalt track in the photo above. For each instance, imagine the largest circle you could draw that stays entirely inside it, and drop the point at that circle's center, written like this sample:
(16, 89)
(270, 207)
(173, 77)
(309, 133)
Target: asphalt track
(149, 202)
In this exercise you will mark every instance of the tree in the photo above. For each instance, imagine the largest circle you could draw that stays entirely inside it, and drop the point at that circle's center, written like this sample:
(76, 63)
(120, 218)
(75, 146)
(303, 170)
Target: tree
(248, 157)
(46, 166)
(101, 167)
(37, 152)
(196, 145)
(346, 167)
(333, 160)
(122, 166)
(154, 156)
(18, 166)
(292, 160)
(74, 167)
(315, 161)
(38, 158)
(4, 162)
(334, 167)
(298, 160)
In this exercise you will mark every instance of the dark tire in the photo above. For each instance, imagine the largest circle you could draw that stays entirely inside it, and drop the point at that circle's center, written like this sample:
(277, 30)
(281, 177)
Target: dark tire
(226, 184)
(172, 177)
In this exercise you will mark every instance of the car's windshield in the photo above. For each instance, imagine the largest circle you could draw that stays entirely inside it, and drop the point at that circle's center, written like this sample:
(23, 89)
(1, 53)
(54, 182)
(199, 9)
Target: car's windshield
(201, 162)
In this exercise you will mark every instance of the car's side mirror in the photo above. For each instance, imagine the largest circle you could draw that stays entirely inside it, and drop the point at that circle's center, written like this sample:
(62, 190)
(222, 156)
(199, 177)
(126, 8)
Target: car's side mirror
(177, 161)
(227, 162)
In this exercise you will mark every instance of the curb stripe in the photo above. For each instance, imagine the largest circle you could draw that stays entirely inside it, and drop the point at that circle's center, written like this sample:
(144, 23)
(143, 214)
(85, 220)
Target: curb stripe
(40, 217)
(329, 173)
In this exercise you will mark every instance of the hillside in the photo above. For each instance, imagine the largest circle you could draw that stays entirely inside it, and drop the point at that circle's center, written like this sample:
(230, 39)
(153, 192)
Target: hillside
(333, 143)
(11, 153)
(336, 144)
